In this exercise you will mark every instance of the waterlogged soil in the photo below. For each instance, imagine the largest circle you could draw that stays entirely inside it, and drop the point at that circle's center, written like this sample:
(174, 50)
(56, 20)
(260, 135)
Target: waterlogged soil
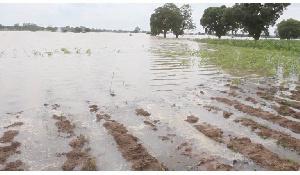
(138, 103)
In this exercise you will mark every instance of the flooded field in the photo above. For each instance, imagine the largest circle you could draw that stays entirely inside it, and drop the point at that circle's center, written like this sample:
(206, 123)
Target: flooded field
(107, 101)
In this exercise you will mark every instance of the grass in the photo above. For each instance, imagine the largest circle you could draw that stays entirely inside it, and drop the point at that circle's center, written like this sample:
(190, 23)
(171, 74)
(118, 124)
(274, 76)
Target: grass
(89, 52)
(264, 57)
(65, 51)
(235, 81)
(279, 142)
(37, 53)
(49, 54)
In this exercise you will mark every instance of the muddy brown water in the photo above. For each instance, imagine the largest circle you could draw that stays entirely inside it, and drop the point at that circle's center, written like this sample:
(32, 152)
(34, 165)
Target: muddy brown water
(122, 74)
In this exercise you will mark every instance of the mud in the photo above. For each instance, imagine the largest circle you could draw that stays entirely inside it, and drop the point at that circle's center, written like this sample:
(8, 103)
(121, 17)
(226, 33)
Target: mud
(260, 155)
(204, 163)
(284, 139)
(93, 108)
(64, 125)
(14, 124)
(77, 156)
(102, 116)
(13, 166)
(211, 132)
(257, 112)
(131, 150)
(251, 100)
(142, 112)
(153, 127)
(286, 111)
(227, 114)
(215, 109)
(192, 119)
(211, 164)
(293, 104)
(8, 136)
(7, 151)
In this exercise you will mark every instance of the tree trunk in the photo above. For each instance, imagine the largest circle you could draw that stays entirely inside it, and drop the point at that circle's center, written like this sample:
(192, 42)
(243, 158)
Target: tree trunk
(165, 33)
(176, 35)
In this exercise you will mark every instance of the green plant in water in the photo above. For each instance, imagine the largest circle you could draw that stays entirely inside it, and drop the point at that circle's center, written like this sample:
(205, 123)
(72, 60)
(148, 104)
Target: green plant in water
(185, 62)
(279, 142)
(65, 51)
(291, 160)
(37, 53)
(236, 81)
(88, 52)
(49, 54)
(78, 51)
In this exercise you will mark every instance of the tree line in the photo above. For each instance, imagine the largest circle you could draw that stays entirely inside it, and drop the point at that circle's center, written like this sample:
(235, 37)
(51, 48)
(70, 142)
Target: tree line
(252, 18)
(80, 29)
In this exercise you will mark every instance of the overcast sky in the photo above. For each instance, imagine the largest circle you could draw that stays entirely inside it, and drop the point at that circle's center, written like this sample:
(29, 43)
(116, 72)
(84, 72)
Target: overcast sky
(114, 16)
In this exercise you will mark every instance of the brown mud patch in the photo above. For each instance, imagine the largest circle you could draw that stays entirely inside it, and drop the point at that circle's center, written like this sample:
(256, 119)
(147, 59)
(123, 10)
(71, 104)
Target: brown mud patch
(211, 164)
(293, 104)
(13, 166)
(77, 156)
(211, 131)
(192, 119)
(8, 136)
(153, 127)
(64, 125)
(7, 151)
(102, 116)
(251, 100)
(14, 124)
(131, 150)
(142, 112)
(215, 109)
(260, 155)
(187, 151)
(283, 139)
(257, 112)
(93, 108)
(286, 111)
(227, 114)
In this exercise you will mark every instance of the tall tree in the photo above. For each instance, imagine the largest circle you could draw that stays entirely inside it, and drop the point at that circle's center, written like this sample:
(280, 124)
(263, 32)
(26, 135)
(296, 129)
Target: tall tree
(185, 20)
(289, 29)
(230, 19)
(164, 18)
(256, 17)
(137, 30)
(212, 21)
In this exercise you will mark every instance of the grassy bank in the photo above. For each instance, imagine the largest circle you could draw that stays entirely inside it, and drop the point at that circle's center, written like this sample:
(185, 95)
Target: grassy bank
(263, 57)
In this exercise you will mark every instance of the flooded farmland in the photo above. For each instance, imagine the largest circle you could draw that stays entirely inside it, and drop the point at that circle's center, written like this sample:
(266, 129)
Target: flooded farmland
(107, 101)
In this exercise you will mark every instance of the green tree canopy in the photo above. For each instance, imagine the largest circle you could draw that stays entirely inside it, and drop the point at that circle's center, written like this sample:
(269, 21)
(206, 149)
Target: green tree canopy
(289, 29)
(256, 17)
(230, 19)
(185, 20)
(164, 19)
(137, 30)
(212, 21)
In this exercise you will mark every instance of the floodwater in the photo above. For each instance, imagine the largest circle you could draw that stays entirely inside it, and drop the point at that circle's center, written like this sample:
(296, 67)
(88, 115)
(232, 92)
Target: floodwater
(35, 74)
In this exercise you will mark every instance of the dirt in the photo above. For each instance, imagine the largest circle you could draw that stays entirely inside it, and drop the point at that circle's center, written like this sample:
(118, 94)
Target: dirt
(211, 131)
(257, 112)
(7, 151)
(13, 166)
(142, 112)
(286, 111)
(192, 119)
(153, 127)
(227, 114)
(293, 104)
(131, 150)
(187, 151)
(102, 116)
(64, 125)
(211, 164)
(263, 131)
(260, 155)
(77, 156)
(14, 124)
(212, 108)
(8, 136)
(93, 108)
(251, 100)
